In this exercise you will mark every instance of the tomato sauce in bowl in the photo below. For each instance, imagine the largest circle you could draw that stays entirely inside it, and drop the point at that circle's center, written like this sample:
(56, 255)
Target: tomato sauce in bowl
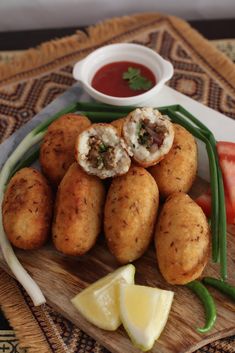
(109, 79)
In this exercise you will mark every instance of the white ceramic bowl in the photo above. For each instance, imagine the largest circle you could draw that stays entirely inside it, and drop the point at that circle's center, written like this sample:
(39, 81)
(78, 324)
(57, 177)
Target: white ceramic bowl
(85, 70)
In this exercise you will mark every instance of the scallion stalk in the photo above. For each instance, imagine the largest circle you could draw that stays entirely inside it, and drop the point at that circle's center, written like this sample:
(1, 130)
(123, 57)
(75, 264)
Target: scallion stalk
(15, 266)
(101, 107)
(192, 118)
(222, 230)
(222, 216)
(102, 117)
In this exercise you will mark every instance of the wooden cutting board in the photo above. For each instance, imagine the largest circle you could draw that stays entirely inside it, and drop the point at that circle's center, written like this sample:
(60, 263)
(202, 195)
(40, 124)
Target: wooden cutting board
(61, 277)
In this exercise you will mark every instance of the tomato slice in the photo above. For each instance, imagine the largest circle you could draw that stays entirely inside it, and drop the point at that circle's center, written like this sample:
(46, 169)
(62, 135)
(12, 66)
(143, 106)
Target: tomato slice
(226, 149)
(226, 152)
(204, 201)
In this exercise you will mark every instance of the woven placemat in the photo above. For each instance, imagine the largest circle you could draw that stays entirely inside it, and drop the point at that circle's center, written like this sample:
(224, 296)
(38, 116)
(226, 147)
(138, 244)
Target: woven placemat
(39, 75)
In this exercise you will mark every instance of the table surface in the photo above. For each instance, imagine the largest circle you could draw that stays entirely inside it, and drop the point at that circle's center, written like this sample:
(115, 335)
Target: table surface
(211, 29)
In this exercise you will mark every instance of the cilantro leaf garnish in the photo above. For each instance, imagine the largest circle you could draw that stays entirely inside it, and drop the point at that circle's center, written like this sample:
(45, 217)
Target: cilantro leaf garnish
(131, 73)
(135, 80)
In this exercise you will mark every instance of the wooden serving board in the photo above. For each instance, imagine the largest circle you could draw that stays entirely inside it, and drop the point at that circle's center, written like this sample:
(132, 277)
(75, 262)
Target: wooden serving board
(61, 277)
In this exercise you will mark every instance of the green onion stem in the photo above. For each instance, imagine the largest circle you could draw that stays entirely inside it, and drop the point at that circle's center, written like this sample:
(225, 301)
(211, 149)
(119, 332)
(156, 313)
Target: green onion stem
(215, 216)
(101, 107)
(192, 118)
(17, 269)
(102, 117)
(222, 216)
(177, 118)
(222, 229)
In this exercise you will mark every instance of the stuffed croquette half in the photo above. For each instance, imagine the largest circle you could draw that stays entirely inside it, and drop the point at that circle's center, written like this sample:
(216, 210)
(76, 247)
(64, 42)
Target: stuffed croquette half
(177, 171)
(27, 209)
(130, 214)
(78, 212)
(182, 239)
(149, 135)
(101, 152)
(57, 150)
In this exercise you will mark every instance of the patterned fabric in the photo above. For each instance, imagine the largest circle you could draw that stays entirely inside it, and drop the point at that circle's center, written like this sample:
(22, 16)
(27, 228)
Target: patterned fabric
(9, 342)
(227, 46)
(201, 72)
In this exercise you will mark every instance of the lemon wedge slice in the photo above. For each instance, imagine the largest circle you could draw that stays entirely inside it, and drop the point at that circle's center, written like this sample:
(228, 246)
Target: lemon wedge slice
(99, 303)
(144, 312)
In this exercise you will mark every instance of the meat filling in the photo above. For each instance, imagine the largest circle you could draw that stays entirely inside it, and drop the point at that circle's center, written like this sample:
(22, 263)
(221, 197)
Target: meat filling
(151, 135)
(101, 155)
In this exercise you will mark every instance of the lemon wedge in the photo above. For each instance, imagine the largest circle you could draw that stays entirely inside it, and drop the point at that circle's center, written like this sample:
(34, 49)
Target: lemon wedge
(99, 303)
(144, 312)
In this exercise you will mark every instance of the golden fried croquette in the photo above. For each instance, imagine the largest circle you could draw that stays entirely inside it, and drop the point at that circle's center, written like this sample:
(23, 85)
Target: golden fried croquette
(78, 212)
(27, 209)
(130, 214)
(149, 135)
(177, 171)
(118, 124)
(57, 149)
(182, 239)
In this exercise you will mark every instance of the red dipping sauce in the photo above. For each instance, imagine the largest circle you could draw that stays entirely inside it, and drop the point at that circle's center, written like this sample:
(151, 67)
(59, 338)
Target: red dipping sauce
(108, 79)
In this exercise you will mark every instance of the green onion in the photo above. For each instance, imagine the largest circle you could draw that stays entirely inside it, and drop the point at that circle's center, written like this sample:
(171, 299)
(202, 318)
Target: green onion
(101, 107)
(192, 118)
(17, 269)
(222, 217)
(102, 117)
(222, 230)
